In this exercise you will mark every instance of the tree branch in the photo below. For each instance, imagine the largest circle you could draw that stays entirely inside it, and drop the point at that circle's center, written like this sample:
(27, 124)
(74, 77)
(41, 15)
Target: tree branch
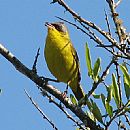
(62, 108)
(49, 88)
(115, 18)
(94, 26)
(41, 112)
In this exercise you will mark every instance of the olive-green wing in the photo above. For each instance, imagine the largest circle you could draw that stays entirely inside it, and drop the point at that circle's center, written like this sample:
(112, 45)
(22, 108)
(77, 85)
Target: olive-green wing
(75, 85)
(75, 55)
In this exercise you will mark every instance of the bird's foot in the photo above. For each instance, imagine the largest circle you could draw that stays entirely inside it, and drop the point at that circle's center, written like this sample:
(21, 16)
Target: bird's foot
(48, 79)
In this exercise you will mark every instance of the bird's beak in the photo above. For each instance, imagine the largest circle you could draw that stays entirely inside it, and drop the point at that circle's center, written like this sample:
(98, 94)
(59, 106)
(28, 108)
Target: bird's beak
(48, 24)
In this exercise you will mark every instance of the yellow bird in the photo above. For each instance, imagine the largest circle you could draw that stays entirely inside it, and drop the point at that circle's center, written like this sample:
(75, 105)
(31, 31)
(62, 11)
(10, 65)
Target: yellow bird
(61, 57)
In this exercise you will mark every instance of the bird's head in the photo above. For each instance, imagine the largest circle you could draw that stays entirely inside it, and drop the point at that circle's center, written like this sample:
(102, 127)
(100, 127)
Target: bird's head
(57, 28)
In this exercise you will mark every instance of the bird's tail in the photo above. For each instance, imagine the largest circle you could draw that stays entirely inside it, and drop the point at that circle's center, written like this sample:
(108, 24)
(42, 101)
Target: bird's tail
(77, 90)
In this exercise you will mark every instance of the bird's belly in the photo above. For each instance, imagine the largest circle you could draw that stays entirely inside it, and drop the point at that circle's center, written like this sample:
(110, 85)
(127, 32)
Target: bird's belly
(61, 63)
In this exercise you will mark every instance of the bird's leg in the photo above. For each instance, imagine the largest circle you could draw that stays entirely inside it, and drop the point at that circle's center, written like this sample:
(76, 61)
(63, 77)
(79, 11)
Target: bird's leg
(53, 80)
(49, 79)
(45, 82)
(66, 91)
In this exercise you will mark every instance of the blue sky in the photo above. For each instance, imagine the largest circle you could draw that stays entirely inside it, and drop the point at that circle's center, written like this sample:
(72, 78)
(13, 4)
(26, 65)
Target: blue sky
(22, 31)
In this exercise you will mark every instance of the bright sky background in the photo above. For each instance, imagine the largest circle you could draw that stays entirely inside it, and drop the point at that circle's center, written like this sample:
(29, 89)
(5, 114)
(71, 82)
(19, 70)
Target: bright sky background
(22, 31)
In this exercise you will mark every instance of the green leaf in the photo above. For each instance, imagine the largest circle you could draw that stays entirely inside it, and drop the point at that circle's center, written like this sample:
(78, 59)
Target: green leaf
(89, 104)
(96, 69)
(126, 80)
(82, 101)
(128, 104)
(103, 99)
(109, 109)
(126, 74)
(107, 106)
(115, 90)
(91, 116)
(88, 60)
(109, 93)
(73, 100)
(96, 112)
(124, 64)
(127, 89)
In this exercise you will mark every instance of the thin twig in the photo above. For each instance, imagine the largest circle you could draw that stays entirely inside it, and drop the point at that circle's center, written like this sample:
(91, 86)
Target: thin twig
(117, 114)
(93, 36)
(118, 81)
(49, 88)
(107, 21)
(51, 100)
(117, 3)
(90, 24)
(116, 20)
(121, 125)
(118, 55)
(94, 26)
(102, 78)
(126, 63)
(34, 69)
(127, 119)
(79, 28)
(41, 112)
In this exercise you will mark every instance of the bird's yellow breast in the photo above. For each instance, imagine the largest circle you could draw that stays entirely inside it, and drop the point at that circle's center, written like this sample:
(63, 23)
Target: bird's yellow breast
(59, 56)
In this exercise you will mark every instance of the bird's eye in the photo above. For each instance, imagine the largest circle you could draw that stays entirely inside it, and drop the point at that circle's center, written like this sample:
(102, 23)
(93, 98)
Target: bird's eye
(58, 27)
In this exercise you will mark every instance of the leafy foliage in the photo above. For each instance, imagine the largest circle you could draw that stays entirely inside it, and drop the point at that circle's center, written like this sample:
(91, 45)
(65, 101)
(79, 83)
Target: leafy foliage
(126, 79)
